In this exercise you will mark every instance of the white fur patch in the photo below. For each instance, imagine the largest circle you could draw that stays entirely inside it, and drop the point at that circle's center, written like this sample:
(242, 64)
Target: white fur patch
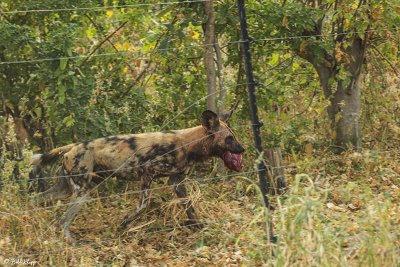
(36, 159)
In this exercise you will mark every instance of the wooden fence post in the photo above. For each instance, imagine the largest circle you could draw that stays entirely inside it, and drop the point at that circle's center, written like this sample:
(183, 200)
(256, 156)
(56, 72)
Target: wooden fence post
(276, 170)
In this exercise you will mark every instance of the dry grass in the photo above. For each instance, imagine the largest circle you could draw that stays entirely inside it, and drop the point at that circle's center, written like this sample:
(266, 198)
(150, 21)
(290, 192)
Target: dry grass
(338, 211)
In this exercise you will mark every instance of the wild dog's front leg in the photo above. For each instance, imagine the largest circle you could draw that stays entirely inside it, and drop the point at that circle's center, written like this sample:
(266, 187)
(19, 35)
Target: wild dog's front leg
(80, 168)
(70, 215)
(180, 190)
(144, 201)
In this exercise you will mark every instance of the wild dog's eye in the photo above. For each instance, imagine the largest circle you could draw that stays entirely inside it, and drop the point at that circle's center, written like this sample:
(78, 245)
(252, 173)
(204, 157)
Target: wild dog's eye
(229, 139)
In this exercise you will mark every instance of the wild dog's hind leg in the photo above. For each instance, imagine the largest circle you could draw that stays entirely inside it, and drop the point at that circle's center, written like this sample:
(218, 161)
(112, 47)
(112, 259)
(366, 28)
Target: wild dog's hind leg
(144, 201)
(81, 173)
(180, 190)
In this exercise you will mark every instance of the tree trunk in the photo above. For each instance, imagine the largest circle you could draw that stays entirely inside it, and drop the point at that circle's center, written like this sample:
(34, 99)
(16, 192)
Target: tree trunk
(345, 107)
(344, 110)
(209, 32)
(222, 93)
(346, 114)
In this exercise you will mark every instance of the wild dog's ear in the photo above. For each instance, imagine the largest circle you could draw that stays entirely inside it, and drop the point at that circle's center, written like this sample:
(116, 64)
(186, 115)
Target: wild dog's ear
(226, 115)
(209, 120)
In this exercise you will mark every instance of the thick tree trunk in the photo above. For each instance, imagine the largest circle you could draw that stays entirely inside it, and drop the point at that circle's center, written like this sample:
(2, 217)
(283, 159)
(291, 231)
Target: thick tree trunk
(209, 32)
(344, 110)
(345, 115)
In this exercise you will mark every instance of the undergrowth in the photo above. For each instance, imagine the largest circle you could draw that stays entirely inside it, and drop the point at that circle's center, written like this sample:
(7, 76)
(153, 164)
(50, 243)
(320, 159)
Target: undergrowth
(337, 211)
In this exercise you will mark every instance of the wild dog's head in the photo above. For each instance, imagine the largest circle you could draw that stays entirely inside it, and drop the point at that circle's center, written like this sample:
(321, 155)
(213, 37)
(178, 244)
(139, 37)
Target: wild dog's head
(222, 140)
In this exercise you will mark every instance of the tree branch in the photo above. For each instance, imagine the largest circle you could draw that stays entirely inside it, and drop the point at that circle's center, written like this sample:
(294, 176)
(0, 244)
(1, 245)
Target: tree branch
(102, 42)
(143, 72)
(137, 79)
(386, 59)
(5, 16)
(108, 40)
(309, 104)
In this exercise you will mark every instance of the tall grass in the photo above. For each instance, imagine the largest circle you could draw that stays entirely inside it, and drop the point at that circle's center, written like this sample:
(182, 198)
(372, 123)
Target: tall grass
(312, 231)
(344, 212)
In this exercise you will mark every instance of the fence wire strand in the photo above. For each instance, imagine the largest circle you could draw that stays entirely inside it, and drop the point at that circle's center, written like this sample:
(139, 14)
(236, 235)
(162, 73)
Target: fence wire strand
(102, 8)
(286, 166)
(152, 51)
(187, 180)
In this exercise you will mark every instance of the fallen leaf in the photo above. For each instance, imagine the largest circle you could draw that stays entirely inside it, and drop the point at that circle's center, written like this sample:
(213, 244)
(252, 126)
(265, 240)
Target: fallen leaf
(336, 197)
(353, 207)
(308, 149)
(333, 207)
(353, 228)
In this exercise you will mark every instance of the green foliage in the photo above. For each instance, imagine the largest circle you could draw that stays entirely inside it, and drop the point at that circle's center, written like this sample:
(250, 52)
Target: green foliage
(96, 72)
(14, 159)
(75, 97)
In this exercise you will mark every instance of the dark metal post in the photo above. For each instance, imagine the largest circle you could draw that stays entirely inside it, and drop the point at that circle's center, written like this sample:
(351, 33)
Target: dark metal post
(262, 171)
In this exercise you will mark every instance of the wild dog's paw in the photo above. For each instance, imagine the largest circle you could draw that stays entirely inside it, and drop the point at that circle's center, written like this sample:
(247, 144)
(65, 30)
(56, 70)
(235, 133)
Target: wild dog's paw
(70, 238)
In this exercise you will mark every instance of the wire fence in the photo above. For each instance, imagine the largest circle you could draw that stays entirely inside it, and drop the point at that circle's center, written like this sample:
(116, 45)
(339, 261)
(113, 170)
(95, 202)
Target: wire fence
(133, 192)
(270, 167)
(202, 182)
(98, 172)
(163, 126)
(157, 50)
(102, 8)
(124, 53)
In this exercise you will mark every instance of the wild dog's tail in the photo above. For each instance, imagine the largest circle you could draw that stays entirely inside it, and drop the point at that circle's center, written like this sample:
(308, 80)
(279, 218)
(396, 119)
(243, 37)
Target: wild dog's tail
(39, 160)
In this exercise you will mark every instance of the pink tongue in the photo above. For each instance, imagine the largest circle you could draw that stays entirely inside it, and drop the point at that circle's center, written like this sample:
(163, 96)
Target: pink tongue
(233, 161)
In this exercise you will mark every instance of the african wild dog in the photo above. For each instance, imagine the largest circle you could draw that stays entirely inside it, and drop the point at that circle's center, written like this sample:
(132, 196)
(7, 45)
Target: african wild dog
(141, 157)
